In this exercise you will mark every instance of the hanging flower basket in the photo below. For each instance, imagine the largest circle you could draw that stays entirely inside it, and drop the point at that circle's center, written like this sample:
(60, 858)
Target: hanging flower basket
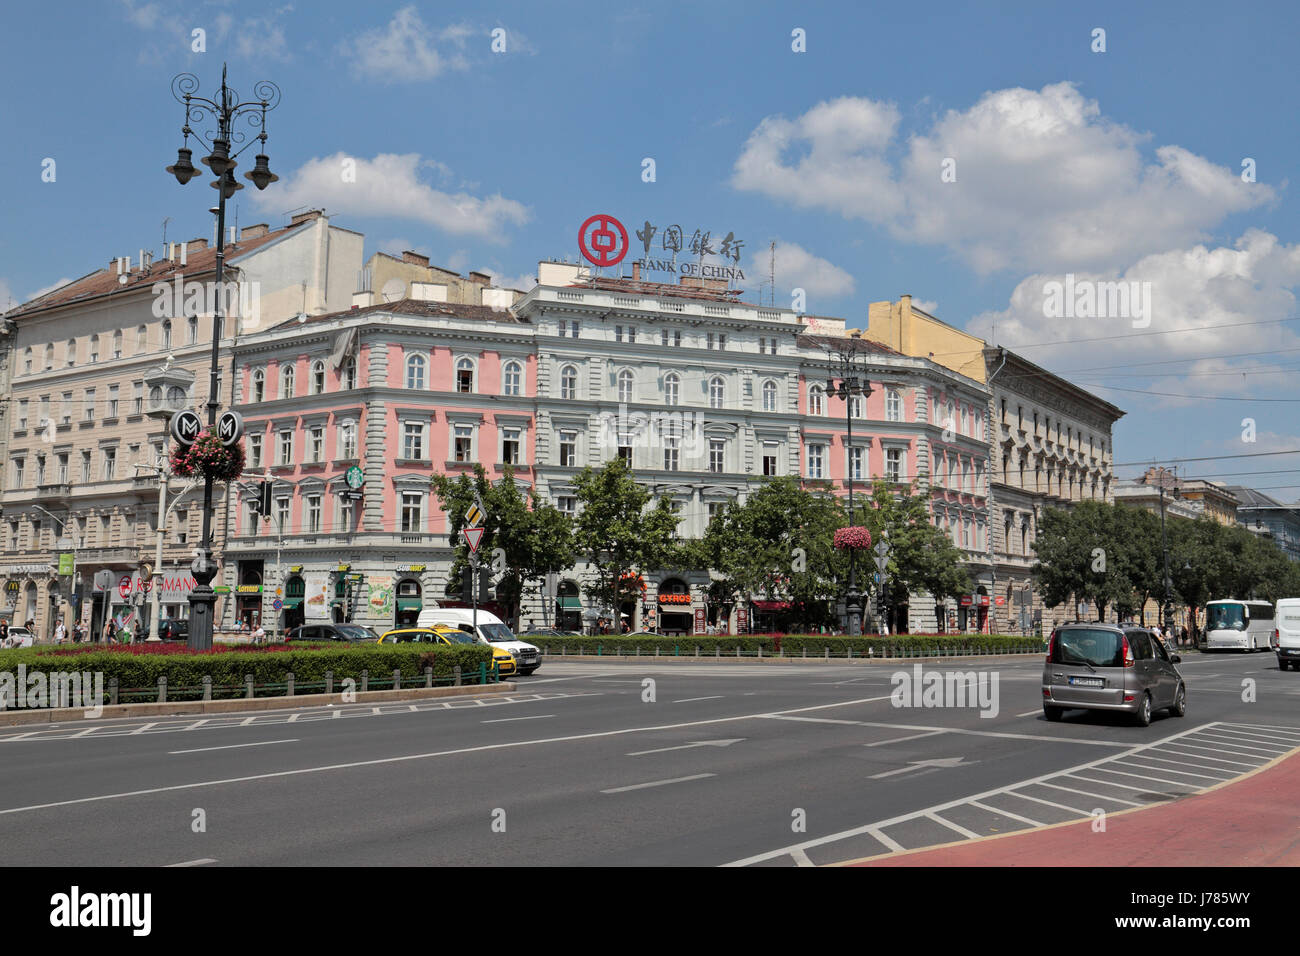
(852, 538)
(208, 457)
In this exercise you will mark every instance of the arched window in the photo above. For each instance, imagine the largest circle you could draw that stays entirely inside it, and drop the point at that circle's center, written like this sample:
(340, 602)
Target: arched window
(465, 375)
(717, 392)
(192, 330)
(94, 349)
(27, 359)
(625, 386)
(117, 343)
(141, 338)
(950, 421)
(893, 405)
(415, 371)
(672, 389)
(286, 380)
(511, 379)
(568, 382)
(769, 396)
(348, 375)
(49, 356)
(258, 385)
(816, 400)
(72, 352)
(167, 335)
(317, 377)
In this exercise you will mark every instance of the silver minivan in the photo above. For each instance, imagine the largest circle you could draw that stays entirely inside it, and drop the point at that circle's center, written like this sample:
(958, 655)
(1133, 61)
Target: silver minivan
(1108, 667)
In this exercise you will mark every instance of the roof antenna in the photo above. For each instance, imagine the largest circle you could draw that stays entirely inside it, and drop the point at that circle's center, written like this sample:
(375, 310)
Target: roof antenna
(771, 273)
(166, 220)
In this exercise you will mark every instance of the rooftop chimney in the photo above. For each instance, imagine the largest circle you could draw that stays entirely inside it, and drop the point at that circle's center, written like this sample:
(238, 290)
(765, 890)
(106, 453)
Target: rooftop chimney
(198, 245)
(636, 272)
(254, 232)
(481, 278)
(415, 259)
(305, 216)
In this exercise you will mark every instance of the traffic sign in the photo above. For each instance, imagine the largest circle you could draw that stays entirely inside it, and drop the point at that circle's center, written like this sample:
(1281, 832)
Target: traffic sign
(472, 537)
(474, 515)
(878, 577)
(185, 427)
(355, 477)
(881, 548)
(277, 604)
(230, 428)
(882, 562)
(124, 586)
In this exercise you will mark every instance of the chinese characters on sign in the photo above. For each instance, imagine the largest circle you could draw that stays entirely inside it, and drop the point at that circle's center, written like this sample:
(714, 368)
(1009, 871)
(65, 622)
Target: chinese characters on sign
(598, 247)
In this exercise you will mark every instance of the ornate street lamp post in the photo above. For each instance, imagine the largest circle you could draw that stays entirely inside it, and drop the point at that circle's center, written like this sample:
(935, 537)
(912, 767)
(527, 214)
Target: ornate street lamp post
(224, 111)
(850, 385)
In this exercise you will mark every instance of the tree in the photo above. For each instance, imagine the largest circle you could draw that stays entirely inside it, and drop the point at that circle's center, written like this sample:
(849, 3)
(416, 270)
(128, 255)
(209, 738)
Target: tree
(1099, 552)
(921, 557)
(618, 533)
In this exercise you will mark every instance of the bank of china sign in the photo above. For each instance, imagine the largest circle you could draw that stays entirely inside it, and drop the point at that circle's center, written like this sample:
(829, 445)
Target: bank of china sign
(604, 242)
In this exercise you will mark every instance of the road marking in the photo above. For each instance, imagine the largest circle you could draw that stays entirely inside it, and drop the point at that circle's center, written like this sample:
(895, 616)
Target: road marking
(1184, 763)
(691, 700)
(1143, 776)
(380, 761)
(801, 858)
(1254, 737)
(248, 720)
(1104, 783)
(198, 723)
(899, 740)
(925, 765)
(969, 834)
(1244, 747)
(659, 783)
(1031, 713)
(1217, 750)
(698, 743)
(258, 743)
(1006, 813)
(878, 834)
(946, 730)
(1287, 730)
(192, 863)
(1047, 803)
(1089, 793)
(142, 729)
(502, 720)
(293, 718)
(1184, 753)
(1185, 773)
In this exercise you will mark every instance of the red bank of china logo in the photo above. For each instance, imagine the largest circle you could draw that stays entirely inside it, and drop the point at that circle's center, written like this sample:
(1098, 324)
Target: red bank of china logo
(604, 245)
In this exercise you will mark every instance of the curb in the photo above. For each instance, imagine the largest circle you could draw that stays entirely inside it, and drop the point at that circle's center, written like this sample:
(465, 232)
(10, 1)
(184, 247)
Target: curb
(56, 715)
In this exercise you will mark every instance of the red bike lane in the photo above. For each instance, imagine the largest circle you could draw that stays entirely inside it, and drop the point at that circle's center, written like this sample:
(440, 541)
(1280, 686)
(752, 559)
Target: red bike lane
(1252, 821)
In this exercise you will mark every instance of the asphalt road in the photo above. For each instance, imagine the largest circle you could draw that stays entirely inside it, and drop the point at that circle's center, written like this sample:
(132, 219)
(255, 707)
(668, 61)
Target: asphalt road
(724, 766)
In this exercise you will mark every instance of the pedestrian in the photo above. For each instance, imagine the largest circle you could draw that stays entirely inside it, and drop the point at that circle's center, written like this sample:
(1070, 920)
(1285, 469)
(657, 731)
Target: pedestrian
(259, 635)
(4, 631)
(139, 630)
(107, 636)
(60, 633)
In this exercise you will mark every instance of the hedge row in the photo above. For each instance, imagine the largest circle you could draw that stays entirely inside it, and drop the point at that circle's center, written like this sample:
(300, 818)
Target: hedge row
(230, 667)
(792, 645)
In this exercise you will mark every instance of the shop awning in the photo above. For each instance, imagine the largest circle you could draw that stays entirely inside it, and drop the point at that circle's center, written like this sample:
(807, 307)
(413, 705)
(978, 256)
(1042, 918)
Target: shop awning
(771, 605)
(292, 603)
(571, 604)
(410, 604)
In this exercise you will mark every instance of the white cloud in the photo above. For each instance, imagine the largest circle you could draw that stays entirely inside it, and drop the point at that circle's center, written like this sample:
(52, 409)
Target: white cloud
(1043, 180)
(49, 288)
(389, 186)
(407, 49)
(797, 268)
(521, 282)
(926, 305)
(1252, 282)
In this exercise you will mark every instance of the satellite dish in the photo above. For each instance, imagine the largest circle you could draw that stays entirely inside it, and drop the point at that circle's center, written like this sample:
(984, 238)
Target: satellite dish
(393, 290)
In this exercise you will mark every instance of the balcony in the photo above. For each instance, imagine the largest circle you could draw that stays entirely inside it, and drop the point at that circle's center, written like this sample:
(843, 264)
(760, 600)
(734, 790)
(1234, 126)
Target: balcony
(119, 556)
(56, 492)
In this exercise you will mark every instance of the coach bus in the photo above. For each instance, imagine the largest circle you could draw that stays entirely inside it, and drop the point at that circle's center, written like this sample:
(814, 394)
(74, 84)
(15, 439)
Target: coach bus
(1238, 625)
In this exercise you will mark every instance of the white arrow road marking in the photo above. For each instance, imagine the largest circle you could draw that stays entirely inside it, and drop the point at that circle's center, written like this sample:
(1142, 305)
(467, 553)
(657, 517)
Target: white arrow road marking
(659, 783)
(698, 743)
(923, 764)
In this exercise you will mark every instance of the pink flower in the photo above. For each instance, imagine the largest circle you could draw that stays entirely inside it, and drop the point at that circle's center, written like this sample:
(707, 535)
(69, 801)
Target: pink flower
(852, 538)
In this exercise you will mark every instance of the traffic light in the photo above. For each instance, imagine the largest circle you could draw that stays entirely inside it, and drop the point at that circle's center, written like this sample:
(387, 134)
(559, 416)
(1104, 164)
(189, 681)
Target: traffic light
(264, 499)
(467, 583)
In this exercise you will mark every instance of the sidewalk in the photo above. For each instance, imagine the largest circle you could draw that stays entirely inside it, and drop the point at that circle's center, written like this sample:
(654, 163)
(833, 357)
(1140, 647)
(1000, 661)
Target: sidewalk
(1254, 821)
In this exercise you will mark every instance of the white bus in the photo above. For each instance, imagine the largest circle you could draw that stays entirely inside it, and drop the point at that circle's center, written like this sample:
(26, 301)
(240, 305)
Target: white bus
(1238, 625)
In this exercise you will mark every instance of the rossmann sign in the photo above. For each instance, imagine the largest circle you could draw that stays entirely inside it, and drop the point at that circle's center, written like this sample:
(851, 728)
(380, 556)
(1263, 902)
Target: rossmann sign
(176, 586)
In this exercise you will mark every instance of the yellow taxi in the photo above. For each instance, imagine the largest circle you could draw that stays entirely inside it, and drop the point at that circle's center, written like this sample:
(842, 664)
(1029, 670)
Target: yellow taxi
(442, 634)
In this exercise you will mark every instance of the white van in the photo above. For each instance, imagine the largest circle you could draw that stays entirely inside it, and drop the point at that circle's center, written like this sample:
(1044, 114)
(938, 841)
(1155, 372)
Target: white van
(1286, 635)
(491, 630)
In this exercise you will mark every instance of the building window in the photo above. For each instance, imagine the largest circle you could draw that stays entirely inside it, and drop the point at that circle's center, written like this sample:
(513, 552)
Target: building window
(40, 469)
(568, 382)
(816, 455)
(855, 463)
(413, 440)
(569, 328)
(63, 468)
(286, 381)
(717, 392)
(166, 335)
(412, 512)
(117, 344)
(286, 448)
(625, 386)
(347, 514)
(141, 339)
(567, 504)
(857, 407)
(893, 405)
(618, 333)
(816, 401)
(85, 466)
(137, 398)
(110, 464)
(94, 349)
(317, 377)
(894, 464)
(22, 414)
(88, 408)
(769, 459)
(313, 514)
(625, 453)
(415, 372)
(27, 360)
(672, 389)
(282, 513)
(512, 379)
(511, 446)
(49, 357)
(965, 533)
(671, 337)
(254, 451)
(259, 385)
(568, 449)
(72, 352)
(347, 440)
(348, 375)
(463, 436)
(192, 330)
(465, 375)
(672, 453)
(717, 452)
(316, 443)
(769, 396)
(112, 401)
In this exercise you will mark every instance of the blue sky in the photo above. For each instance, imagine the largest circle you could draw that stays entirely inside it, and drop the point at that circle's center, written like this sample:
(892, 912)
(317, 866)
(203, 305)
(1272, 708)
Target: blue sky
(1123, 164)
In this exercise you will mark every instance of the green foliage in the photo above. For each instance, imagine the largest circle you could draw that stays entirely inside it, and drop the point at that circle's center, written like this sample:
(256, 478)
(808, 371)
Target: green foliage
(922, 558)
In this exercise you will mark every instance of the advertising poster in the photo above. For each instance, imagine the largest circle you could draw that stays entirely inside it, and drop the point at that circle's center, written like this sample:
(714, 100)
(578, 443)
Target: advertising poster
(381, 595)
(316, 605)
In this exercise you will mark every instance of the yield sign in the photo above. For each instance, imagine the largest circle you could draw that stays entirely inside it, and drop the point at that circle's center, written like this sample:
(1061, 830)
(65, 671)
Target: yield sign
(472, 537)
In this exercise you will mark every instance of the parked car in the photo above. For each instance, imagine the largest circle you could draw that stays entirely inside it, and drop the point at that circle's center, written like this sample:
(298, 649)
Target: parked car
(443, 634)
(19, 637)
(174, 630)
(1111, 667)
(344, 633)
(491, 630)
